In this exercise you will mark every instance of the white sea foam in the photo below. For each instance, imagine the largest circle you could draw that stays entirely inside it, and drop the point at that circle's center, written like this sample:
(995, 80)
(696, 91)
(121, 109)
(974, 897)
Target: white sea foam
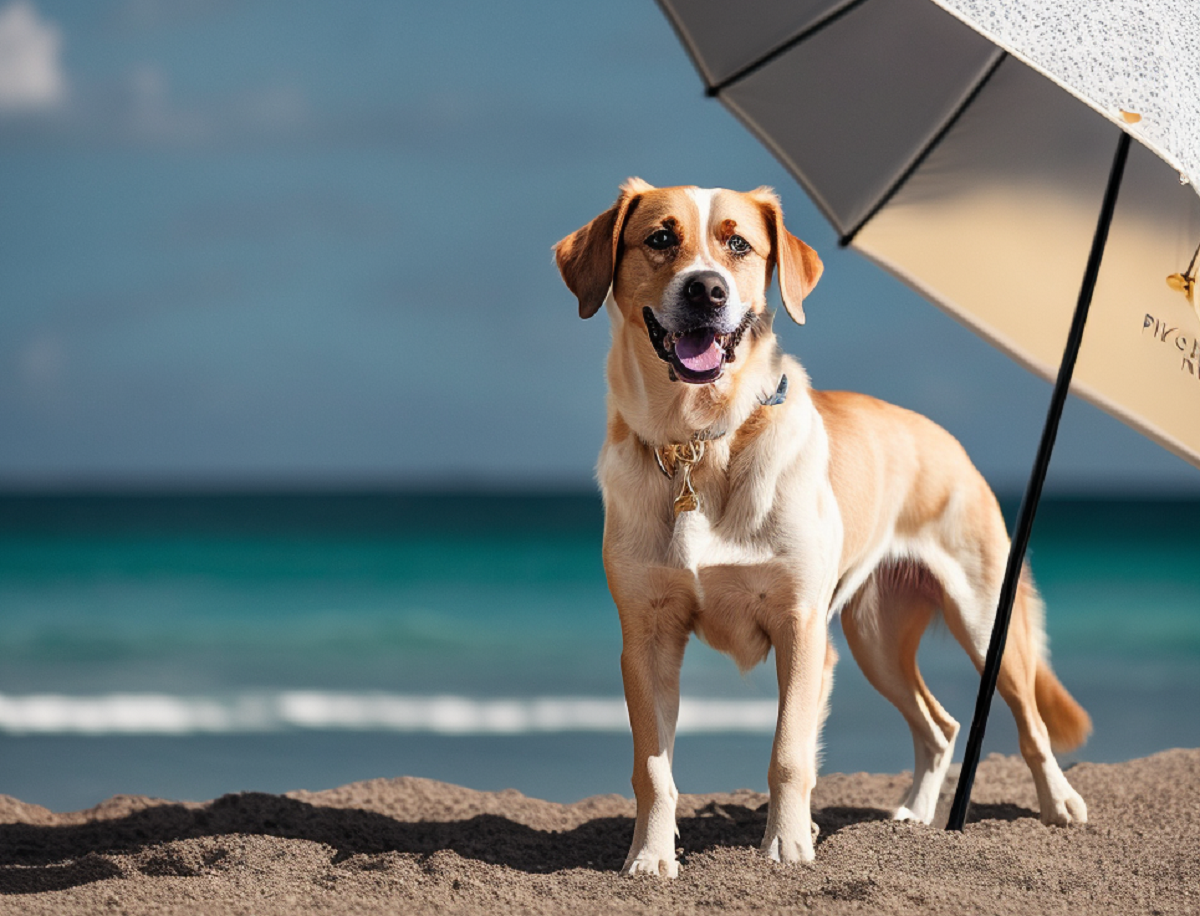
(164, 714)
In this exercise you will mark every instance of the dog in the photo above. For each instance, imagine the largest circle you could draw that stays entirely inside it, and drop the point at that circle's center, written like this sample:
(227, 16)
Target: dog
(744, 506)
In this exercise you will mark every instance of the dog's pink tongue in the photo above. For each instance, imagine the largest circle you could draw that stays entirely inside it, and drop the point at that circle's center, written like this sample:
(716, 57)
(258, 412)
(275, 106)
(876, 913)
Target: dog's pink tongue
(699, 350)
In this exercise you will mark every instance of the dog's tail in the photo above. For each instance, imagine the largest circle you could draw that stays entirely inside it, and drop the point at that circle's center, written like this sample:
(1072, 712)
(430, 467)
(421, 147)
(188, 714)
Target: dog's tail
(1068, 722)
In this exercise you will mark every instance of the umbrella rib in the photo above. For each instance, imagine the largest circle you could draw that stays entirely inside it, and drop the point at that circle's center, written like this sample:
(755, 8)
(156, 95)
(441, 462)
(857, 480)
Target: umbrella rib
(929, 147)
(778, 51)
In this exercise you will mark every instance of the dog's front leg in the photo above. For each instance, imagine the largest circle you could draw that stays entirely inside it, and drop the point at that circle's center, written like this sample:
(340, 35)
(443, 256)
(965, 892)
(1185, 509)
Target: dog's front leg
(800, 639)
(654, 641)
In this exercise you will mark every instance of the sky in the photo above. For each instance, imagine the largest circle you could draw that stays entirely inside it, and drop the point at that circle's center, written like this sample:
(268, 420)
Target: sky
(285, 243)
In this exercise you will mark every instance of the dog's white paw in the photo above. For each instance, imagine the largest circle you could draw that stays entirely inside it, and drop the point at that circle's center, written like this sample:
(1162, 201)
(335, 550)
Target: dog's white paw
(1071, 809)
(789, 851)
(904, 813)
(650, 863)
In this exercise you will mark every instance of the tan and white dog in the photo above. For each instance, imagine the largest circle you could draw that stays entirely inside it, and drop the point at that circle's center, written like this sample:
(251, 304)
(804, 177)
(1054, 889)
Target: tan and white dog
(745, 507)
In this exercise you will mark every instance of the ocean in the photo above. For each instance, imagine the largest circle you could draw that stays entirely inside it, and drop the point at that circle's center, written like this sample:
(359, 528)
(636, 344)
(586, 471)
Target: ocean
(186, 646)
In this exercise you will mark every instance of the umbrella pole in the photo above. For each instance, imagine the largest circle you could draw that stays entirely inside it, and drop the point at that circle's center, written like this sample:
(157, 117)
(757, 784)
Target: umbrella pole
(1033, 493)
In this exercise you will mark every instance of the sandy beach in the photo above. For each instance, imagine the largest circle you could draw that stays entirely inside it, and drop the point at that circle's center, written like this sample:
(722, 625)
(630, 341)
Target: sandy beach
(418, 846)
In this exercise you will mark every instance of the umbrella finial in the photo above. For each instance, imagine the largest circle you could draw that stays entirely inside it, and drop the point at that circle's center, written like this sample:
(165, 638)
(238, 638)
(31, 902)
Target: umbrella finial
(1186, 281)
(1181, 284)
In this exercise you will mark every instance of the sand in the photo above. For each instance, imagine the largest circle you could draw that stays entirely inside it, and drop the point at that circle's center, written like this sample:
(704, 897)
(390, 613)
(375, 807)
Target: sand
(418, 846)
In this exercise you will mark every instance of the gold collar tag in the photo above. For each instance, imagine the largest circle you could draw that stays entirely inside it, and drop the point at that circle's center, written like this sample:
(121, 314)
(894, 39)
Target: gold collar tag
(680, 459)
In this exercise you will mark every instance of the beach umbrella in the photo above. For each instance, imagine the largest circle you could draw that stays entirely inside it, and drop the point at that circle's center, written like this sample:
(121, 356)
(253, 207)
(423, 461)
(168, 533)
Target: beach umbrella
(980, 151)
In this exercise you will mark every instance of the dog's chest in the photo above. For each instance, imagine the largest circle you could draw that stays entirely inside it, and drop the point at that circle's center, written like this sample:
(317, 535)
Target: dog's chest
(727, 619)
(756, 556)
(735, 502)
(697, 540)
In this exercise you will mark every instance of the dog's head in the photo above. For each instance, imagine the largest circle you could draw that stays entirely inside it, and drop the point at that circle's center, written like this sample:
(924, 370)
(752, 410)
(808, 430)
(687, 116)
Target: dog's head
(690, 265)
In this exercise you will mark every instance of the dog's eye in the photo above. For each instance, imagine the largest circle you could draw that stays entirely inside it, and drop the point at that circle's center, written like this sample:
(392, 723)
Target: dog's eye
(737, 244)
(662, 240)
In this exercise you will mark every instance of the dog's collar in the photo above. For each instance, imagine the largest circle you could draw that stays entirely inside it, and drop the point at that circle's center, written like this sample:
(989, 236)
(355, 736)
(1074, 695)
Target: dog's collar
(779, 396)
(680, 458)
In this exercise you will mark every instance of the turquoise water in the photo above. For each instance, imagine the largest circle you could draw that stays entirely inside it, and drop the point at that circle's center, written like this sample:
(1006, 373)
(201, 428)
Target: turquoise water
(231, 610)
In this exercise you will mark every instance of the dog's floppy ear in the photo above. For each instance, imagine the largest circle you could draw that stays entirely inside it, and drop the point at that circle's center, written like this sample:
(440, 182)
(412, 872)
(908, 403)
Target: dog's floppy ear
(798, 265)
(587, 257)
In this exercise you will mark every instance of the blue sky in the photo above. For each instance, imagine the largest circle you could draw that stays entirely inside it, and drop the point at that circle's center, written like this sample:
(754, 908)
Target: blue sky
(291, 243)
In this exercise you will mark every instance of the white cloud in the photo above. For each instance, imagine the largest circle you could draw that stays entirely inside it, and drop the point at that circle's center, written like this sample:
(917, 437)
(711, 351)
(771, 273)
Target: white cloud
(31, 74)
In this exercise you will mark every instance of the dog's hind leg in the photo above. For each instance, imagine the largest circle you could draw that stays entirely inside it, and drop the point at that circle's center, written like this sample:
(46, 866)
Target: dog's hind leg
(883, 628)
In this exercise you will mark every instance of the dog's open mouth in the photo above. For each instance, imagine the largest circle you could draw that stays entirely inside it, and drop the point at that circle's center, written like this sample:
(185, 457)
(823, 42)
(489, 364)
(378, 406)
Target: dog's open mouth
(699, 354)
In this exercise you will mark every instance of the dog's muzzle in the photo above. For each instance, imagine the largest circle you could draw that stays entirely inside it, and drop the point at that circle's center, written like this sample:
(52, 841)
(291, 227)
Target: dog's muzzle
(698, 354)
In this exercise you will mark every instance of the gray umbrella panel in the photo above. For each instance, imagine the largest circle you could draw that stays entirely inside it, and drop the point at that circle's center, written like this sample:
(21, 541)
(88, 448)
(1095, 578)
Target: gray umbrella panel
(977, 181)
(850, 109)
(1137, 56)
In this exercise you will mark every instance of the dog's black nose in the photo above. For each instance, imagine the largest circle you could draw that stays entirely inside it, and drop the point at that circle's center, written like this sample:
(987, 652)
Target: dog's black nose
(706, 289)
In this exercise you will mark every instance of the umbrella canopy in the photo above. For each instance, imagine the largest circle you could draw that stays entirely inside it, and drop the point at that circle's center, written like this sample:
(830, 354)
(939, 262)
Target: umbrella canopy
(980, 151)
(965, 145)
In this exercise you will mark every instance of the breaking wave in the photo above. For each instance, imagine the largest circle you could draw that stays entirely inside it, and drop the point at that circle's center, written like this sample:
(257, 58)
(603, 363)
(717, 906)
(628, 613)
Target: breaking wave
(165, 714)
